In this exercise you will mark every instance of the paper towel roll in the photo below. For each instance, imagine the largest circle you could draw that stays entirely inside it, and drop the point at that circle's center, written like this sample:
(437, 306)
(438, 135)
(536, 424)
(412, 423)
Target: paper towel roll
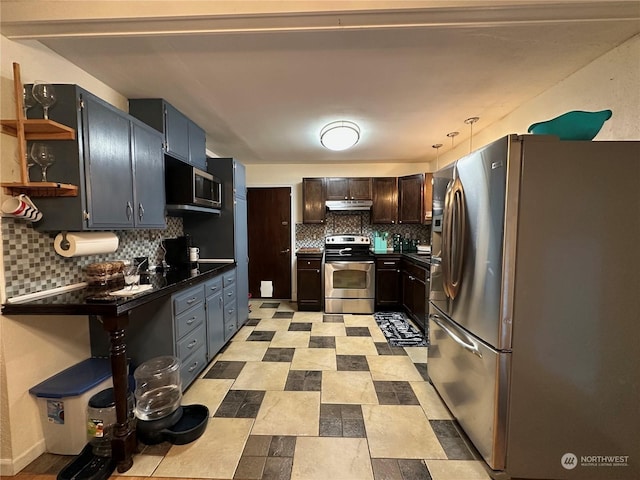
(85, 243)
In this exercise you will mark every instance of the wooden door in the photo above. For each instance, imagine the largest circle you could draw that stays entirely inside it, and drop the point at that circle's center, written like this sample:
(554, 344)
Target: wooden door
(313, 200)
(385, 200)
(360, 188)
(269, 225)
(411, 198)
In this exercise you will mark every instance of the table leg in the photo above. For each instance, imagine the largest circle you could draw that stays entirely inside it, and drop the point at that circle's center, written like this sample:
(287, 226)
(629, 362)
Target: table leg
(123, 444)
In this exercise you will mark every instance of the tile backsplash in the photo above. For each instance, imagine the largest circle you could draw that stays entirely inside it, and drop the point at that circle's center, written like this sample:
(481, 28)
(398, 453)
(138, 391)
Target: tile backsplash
(31, 264)
(357, 223)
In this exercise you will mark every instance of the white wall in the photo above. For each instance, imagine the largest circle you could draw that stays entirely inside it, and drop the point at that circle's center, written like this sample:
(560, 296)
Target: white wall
(33, 348)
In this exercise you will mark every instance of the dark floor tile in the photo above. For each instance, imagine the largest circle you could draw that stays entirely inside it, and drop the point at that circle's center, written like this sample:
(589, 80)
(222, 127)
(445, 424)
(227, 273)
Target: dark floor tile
(395, 393)
(455, 448)
(322, 342)
(270, 305)
(257, 446)
(413, 469)
(422, 368)
(278, 355)
(225, 370)
(278, 468)
(282, 446)
(303, 380)
(384, 348)
(353, 428)
(351, 412)
(386, 469)
(407, 398)
(261, 336)
(299, 327)
(330, 410)
(333, 318)
(444, 428)
(358, 331)
(330, 427)
(240, 404)
(381, 386)
(250, 468)
(352, 363)
(252, 322)
(283, 315)
(388, 398)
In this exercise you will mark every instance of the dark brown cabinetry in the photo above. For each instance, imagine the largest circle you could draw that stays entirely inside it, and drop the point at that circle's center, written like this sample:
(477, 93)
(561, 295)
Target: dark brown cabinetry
(385, 200)
(411, 198)
(348, 188)
(415, 286)
(428, 197)
(309, 281)
(388, 282)
(313, 200)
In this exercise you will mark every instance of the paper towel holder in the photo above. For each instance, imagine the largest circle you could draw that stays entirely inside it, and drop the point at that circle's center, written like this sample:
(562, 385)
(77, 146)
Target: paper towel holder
(64, 244)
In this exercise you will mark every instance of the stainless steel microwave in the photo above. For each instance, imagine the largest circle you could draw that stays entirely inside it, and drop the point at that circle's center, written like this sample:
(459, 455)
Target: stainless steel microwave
(187, 186)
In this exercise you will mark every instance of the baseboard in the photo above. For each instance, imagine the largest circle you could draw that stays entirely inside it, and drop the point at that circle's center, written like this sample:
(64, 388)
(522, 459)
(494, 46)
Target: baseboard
(10, 467)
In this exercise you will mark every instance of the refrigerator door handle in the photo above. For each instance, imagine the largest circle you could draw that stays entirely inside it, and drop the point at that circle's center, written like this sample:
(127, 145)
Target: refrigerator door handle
(458, 237)
(446, 241)
(470, 347)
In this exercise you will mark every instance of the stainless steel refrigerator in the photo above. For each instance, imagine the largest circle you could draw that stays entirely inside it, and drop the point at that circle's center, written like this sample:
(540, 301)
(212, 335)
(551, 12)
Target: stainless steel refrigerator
(534, 305)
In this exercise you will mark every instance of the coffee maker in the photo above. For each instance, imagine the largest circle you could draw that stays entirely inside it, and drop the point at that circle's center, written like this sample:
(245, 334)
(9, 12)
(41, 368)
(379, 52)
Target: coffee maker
(177, 252)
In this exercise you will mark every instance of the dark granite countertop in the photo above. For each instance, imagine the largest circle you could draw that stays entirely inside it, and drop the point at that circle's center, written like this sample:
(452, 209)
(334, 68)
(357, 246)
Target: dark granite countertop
(95, 300)
(419, 259)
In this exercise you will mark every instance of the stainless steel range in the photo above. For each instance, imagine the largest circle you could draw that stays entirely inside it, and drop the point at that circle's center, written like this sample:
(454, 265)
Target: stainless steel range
(349, 274)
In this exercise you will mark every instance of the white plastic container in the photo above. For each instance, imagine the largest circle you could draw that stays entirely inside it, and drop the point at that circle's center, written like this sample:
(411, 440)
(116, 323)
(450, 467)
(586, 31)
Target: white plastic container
(62, 402)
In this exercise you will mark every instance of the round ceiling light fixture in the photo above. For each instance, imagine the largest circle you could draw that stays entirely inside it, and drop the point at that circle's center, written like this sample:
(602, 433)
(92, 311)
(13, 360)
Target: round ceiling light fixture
(339, 135)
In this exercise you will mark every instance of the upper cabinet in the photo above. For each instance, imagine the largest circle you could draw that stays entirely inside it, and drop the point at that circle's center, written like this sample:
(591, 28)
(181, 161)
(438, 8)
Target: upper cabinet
(411, 198)
(116, 161)
(385, 200)
(313, 200)
(348, 188)
(183, 139)
(428, 197)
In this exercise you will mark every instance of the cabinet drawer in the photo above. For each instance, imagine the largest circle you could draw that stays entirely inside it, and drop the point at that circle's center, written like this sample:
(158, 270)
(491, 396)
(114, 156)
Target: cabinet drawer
(187, 299)
(229, 329)
(415, 271)
(388, 263)
(187, 321)
(213, 286)
(230, 310)
(229, 293)
(192, 366)
(191, 342)
(229, 279)
(309, 264)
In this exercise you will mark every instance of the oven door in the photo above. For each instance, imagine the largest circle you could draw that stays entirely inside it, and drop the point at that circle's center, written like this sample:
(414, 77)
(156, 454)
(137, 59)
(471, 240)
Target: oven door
(349, 286)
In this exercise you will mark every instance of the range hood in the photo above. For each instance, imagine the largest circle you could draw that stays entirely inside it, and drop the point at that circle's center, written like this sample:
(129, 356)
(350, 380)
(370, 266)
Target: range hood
(348, 205)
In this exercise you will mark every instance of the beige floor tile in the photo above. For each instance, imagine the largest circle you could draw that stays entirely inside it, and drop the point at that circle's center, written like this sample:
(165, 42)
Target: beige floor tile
(355, 346)
(377, 335)
(328, 330)
(273, 324)
(214, 455)
(314, 359)
(430, 402)
(417, 354)
(257, 312)
(311, 317)
(393, 367)
(400, 431)
(457, 470)
(143, 466)
(207, 391)
(244, 351)
(242, 334)
(287, 307)
(325, 458)
(348, 387)
(262, 376)
(290, 339)
(288, 413)
(359, 321)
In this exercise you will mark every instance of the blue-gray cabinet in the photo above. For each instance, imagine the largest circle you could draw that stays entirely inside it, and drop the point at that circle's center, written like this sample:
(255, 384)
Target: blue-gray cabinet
(116, 160)
(183, 138)
(214, 306)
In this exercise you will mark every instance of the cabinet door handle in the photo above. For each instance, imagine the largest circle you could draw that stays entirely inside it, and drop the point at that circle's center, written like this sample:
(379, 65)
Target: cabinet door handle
(140, 211)
(192, 344)
(286, 250)
(193, 367)
(191, 300)
(129, 211)
(389, 263)
(317, 271)
(191, 320)
(220, 302)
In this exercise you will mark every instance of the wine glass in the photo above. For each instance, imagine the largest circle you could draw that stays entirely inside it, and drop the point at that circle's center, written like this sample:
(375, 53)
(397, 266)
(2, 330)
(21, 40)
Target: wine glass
(132, 276)
(41, 155)
(45, 95)
(27, 99)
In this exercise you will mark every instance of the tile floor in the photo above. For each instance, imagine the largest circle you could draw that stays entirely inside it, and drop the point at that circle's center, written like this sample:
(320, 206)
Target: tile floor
(308, 396)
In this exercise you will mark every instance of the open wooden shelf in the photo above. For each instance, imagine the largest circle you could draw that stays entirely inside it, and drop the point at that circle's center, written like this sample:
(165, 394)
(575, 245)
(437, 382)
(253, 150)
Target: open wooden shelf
(39, 129)
(41, 189)
(34, 129)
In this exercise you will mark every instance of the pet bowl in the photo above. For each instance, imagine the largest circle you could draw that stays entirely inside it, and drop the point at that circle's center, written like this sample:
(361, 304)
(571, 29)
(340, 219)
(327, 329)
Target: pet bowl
(574, 125)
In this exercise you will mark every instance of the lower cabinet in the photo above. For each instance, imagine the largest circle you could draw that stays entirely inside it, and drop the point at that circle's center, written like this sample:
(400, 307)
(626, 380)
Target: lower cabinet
(415, 288)
(388, 282)
(309, 282)
(192, 325)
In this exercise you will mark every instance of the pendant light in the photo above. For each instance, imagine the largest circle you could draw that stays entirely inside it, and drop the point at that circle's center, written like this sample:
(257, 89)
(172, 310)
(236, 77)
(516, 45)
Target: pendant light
(451, 135)
(470, 121)
(340, 135)
(437, 147)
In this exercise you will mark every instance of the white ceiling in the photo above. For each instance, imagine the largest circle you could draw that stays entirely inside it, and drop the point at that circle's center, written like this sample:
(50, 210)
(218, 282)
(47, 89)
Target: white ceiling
(262, 84)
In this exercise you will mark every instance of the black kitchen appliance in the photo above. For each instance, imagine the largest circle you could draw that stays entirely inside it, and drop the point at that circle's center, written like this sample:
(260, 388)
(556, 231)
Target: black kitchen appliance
(190, 189)
(177, 251)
